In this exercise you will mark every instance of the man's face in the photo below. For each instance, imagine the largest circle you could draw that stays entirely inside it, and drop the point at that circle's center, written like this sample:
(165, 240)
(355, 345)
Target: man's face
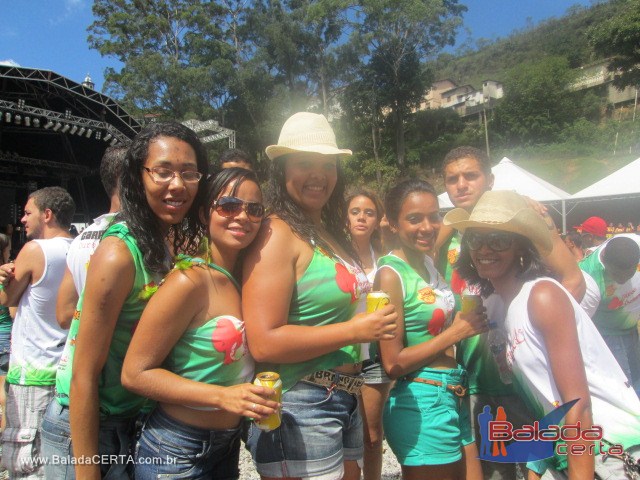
(466, 182)
(33, 220)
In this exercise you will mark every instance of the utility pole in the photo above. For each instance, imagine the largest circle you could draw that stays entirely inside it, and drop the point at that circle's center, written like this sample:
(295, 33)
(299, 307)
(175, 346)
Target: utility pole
(486, 132)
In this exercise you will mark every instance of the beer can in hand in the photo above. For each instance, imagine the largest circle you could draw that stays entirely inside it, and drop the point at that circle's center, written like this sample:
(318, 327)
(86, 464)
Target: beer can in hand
(470, 302)
(376, 300)
(271, 380)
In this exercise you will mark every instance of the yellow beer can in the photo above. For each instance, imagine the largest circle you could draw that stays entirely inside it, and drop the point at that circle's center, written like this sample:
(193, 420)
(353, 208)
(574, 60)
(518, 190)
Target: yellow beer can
(271, 380)
(470, 302)
(376, 300)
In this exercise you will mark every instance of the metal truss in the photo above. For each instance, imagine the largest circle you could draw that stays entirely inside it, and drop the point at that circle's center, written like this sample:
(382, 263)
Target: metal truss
(75, 170)
(219, 132)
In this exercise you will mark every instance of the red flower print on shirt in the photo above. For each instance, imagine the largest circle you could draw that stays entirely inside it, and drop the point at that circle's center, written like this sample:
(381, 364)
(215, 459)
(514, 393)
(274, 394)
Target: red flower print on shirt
(457, 283)
(346, 281)
(228, 339)
(437, 322)
(615, 303)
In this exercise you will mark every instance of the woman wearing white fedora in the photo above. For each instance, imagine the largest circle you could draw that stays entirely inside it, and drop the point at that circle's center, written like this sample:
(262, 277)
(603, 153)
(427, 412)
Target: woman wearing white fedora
(300, 291)
(553, 349)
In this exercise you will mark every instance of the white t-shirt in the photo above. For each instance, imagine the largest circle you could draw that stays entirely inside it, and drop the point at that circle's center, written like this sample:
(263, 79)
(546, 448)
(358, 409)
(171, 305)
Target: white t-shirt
(83, 247)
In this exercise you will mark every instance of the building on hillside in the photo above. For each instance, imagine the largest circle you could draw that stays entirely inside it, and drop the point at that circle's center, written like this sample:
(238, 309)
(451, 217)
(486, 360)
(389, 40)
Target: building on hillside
(598, 75)
(433, 99)
(463, 99)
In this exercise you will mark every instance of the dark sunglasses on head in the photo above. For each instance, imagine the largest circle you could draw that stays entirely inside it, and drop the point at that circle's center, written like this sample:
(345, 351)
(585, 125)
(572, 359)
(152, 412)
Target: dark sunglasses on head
(232, 206)
(496, 241)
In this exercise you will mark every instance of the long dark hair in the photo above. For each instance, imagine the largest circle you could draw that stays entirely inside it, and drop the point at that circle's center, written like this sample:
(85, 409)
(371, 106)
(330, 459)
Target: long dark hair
(531, 266)
(376, 240)
(135, 210)
(333, 213)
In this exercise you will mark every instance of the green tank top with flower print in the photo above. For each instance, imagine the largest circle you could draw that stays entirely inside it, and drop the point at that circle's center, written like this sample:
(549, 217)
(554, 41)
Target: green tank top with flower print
(215, 352)
(428, 306)
(115, 400)
(327, 293)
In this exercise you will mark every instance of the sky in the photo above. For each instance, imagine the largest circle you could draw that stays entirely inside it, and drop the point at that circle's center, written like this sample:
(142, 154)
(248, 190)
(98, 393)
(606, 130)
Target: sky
(52, 34)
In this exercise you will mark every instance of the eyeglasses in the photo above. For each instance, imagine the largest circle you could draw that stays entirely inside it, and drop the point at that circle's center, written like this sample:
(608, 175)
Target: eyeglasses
(496, 241)
(162, 176)
(232, 206)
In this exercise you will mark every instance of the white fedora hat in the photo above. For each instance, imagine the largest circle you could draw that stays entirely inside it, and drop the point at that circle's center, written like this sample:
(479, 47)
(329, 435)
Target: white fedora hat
(306, 132)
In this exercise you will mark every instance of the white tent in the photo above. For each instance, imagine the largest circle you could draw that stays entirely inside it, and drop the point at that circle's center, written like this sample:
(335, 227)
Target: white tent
(509, 176)
(622, 182)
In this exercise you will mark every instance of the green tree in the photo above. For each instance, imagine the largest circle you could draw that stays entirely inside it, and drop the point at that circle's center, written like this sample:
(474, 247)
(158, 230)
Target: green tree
(618, 38)
(399, 35)
(175, 60)
(536, 104)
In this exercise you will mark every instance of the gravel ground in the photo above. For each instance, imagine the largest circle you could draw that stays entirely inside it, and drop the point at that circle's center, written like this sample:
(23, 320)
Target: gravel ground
(390, 466)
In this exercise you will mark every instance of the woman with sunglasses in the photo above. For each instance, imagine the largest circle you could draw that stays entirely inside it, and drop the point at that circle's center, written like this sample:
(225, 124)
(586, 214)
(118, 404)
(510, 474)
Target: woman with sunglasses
(554, 350)
(160, 200)
(364, 212)
(425, 422)
(199, 368)
(301, 288)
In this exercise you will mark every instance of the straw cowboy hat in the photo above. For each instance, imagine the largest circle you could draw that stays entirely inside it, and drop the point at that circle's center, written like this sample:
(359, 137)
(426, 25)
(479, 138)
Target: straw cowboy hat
(306, 132)
(506, 211)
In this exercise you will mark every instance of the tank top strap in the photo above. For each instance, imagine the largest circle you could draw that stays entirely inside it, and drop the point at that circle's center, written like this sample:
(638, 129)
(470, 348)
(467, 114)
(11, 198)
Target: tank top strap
(184, 261)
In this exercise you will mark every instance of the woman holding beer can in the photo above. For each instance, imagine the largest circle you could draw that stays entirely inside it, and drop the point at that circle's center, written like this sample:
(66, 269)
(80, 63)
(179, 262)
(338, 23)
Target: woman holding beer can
(364, 212)
(300, 292)
(424, 420)
(199, 366)
(553, 349)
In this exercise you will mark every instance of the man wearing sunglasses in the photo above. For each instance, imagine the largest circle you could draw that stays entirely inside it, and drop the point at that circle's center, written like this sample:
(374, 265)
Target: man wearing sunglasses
(467, 175)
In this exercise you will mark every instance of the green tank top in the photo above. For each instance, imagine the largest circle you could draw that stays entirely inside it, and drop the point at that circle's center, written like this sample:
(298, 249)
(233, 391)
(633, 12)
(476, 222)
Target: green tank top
(327, 293)
(428, 306)
(115, 400)
(5, 320)
(472, 353)
(213, 353)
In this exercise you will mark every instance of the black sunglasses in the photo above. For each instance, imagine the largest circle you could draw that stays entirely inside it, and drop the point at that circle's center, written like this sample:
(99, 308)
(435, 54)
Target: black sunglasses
(496, 241)
(232, 206)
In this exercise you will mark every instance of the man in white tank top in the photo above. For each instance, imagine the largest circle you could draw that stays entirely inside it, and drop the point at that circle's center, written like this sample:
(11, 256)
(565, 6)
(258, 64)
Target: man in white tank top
(32, 285)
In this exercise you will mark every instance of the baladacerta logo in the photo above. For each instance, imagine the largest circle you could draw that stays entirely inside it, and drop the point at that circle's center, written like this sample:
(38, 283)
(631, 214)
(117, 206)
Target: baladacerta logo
(501, 442)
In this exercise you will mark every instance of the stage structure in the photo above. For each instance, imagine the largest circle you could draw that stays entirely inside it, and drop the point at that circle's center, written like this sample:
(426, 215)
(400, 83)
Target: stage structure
(216, 131)
(54, 131)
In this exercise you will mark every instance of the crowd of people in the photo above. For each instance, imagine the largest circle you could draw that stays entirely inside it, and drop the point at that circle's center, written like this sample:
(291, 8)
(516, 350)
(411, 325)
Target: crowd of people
(134, 345)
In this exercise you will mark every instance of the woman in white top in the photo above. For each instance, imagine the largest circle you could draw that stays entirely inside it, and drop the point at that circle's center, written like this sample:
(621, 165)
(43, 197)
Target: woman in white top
(364, 211)
(554, 350)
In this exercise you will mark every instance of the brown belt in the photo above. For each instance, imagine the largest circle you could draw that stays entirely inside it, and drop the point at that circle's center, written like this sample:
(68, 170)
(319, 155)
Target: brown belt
(340, 381)
(457, 390)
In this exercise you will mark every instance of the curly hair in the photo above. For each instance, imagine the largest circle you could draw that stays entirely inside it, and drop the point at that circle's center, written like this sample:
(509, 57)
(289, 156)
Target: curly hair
(333, 213)
(376, 240)
(135, 210)
(531, 266)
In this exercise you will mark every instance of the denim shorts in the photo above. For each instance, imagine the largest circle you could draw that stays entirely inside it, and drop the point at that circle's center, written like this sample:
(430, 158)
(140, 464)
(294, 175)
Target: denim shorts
(427, 424)
(114, 443)
(373, 372)
(5, 347)
(168, 447)
(320, 430)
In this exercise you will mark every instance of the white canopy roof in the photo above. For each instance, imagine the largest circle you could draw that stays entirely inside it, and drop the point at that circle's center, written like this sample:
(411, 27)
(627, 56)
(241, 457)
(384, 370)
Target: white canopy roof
(621, 182)
(509, 176)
